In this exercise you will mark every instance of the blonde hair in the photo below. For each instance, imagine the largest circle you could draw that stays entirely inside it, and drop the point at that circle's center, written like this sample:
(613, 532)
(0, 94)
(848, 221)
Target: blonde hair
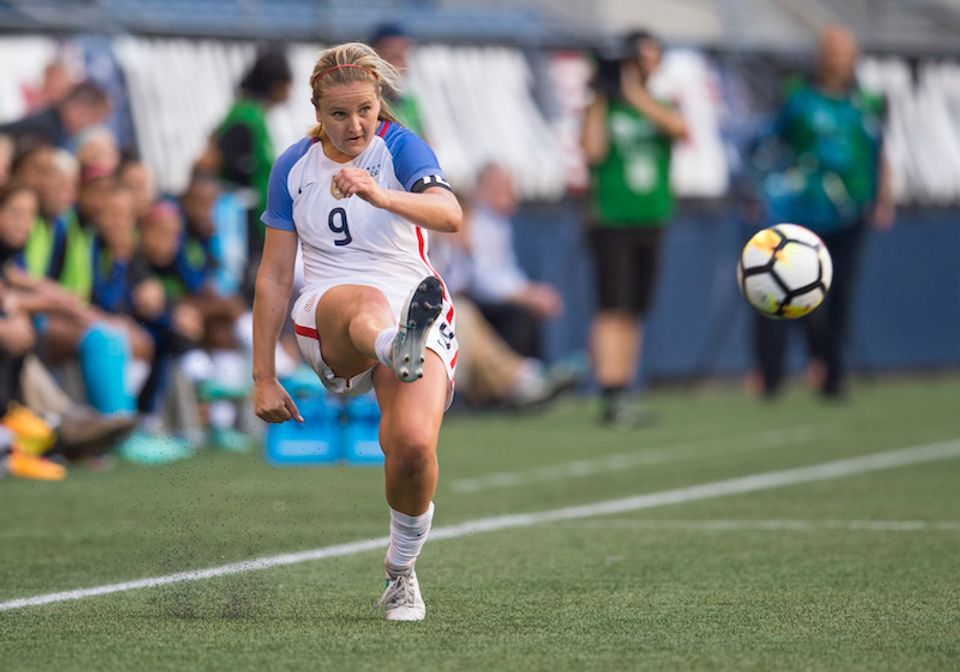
(349, 63)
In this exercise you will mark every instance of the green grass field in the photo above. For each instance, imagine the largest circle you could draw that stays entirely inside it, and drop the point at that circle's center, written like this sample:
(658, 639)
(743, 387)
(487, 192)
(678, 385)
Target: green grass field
(857, 572)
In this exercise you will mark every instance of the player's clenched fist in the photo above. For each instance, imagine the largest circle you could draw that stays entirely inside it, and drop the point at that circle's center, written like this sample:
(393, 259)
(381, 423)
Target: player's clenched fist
(357, 181)
(272, 403)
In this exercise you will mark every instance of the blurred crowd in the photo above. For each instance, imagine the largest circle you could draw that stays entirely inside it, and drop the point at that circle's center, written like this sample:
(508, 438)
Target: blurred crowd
(121, 329)
(125, 313)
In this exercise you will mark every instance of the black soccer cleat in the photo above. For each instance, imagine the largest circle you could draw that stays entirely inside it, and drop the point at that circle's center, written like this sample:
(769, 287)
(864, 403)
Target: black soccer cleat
(421, 310)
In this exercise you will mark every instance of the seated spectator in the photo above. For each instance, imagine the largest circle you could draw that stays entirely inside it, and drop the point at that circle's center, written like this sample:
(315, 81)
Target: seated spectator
(508, 299)
(86, 105)
(135, 176)
(124, 285)
(197, 262)
(114, 246)
(181, 261)
(489, 371)
(17, 336)
(68, 327)
(36, 168)
(96, 149)
(161, 236)
(79, 427)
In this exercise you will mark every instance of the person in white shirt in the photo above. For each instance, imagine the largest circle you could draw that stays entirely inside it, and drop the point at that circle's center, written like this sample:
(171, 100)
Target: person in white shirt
(513, 303)
(359, 195)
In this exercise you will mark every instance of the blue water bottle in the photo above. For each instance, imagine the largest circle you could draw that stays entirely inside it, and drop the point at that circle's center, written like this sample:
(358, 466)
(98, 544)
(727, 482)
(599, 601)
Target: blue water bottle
(361, 443)
(316, 441)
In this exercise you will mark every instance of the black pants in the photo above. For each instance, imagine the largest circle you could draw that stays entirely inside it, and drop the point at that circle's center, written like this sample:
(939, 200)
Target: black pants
(10, 367)
(826, 328)
(516, 325)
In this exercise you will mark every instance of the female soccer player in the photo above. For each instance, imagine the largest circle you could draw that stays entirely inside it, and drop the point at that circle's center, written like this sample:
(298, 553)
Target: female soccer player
(357, 194)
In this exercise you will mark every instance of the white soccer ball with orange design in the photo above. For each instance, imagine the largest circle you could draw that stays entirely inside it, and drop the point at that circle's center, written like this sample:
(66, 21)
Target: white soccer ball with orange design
(785, 271)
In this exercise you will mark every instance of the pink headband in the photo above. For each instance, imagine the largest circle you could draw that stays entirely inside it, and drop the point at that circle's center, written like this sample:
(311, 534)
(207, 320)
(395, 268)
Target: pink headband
(339, 67)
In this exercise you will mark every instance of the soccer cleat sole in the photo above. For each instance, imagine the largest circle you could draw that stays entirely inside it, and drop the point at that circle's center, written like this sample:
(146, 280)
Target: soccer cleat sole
(419, 313)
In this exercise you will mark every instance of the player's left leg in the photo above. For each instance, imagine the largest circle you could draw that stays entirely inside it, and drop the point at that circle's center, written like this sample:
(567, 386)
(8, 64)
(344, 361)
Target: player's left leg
(409, 429)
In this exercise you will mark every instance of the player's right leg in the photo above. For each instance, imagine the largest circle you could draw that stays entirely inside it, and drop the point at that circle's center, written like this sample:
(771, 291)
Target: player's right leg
(356, 328)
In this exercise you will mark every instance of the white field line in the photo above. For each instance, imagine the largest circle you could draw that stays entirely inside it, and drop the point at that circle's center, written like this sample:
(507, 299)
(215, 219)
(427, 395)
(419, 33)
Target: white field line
(777, 525)
(764, 481)
(636, 458)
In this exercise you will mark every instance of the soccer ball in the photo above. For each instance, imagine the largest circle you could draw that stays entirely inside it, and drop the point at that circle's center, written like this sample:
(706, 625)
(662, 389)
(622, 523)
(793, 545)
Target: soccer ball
(785, 271)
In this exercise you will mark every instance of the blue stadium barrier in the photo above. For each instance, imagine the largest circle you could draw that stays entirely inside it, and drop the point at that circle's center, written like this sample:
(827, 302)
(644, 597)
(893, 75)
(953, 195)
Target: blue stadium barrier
(906, 313)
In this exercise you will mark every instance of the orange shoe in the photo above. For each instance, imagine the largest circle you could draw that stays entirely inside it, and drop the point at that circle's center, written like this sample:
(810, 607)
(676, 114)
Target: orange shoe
(31, 432)
(23, 465)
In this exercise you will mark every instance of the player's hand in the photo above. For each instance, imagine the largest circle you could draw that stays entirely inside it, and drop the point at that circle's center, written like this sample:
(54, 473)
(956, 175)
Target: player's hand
(149, 299)
(272, 403)
(9, 302)
(358, 182)
(630, 80)
(543, 300)
(17, 335)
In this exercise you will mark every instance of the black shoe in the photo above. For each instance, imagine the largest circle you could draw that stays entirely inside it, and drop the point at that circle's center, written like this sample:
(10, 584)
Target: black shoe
(421, 310)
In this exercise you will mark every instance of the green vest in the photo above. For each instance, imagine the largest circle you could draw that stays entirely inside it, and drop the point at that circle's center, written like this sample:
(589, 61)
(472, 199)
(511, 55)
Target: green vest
(77, 273)
(407, 112)
(631, 187)
(253, 115)
(39, 247)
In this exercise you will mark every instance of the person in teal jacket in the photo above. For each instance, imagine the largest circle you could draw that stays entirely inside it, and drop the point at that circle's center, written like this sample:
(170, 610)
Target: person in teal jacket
(835, 181)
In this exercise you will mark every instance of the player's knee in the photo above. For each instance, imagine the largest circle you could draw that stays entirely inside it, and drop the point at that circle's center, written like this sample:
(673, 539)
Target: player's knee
(370, 301)
(413, 450)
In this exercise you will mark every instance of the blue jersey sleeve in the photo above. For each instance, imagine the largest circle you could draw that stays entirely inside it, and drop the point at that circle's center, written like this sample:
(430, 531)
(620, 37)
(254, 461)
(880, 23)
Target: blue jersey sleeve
(414, 163)
(279, 212)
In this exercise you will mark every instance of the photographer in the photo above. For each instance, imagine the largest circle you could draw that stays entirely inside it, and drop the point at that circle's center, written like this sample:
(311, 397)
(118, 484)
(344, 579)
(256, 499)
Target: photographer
(626, 138)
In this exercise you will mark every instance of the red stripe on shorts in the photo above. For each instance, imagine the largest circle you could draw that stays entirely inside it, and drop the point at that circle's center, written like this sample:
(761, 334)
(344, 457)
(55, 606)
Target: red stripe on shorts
(306, 331)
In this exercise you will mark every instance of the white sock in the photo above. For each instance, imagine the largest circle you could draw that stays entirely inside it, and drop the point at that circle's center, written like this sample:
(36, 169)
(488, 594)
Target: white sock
(383, 346)
(222, 414)
(284, 363)
(229, 368)
(243, 332)
(407, 536)
(196, 365)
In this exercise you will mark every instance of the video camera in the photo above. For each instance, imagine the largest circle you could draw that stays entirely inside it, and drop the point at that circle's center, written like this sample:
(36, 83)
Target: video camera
(610, 58)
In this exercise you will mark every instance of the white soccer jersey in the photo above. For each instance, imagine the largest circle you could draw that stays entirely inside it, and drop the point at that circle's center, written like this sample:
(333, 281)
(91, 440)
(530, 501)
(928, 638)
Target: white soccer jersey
(347, 241)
